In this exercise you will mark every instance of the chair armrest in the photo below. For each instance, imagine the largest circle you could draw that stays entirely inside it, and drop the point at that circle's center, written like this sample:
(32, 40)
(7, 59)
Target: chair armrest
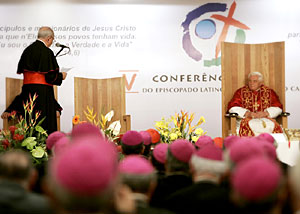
(285, 114)
(231, 115)
(232, 125)
(282, 119)
(126, 123)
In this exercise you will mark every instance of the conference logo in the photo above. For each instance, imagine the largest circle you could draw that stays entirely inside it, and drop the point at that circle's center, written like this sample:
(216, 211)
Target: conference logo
(129, 76)
(205, 29)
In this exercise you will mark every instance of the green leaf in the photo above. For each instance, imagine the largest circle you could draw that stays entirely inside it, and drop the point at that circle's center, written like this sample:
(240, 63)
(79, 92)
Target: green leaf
(38, 152)
(31, 131)
(31, 145)
(39, 129)
(40, 122)
(28, 140)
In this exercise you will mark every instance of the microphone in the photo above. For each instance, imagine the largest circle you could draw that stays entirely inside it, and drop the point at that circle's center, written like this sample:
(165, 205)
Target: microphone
(61, 45)
(61, 48)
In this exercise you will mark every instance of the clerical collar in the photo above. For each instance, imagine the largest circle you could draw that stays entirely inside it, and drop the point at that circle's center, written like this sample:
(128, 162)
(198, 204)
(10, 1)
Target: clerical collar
(42, 42)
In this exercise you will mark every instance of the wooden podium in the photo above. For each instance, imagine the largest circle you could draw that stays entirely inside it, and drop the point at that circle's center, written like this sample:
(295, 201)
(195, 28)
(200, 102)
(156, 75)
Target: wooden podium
(103, 95)
(13, 88)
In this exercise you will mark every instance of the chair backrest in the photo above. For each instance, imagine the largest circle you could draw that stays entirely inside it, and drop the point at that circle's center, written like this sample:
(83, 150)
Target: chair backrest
(103, 95)
(238, 60)
(13, 88)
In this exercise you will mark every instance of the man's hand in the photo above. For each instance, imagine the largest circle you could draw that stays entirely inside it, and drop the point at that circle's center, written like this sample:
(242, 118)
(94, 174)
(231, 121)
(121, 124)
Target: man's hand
(262, 114)
(248, 114)
(64, 75)
(5, 115)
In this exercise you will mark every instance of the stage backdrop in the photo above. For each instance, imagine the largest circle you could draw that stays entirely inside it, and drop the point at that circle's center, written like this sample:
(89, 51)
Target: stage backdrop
(169, 53)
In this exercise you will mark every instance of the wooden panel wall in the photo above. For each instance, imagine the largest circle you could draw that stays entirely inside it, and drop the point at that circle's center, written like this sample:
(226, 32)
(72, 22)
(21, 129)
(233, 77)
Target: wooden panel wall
(103, 95)
(238, 60)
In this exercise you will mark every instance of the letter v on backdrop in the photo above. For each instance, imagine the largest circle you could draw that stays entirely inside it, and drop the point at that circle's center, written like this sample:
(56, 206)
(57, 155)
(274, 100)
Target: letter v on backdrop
(129, 84)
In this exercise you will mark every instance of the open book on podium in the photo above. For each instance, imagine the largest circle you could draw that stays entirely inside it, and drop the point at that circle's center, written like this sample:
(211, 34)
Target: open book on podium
(103, 95)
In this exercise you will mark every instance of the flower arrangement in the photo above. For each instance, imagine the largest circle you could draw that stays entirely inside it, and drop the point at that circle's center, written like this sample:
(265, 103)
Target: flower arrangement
(27, 134)
(110, 130)
(179, 126)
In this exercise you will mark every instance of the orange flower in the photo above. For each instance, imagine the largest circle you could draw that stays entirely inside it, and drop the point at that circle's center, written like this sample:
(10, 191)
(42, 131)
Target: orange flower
(37, 114)
(13, 114)
(76, 120)
(155, 136)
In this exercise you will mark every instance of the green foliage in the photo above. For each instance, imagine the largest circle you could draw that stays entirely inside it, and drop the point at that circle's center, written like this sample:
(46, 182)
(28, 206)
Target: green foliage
(27, 134)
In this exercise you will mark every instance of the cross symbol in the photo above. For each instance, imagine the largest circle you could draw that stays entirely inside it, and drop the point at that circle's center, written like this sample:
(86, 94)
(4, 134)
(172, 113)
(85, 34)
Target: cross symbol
(256, 105)
(227, 22)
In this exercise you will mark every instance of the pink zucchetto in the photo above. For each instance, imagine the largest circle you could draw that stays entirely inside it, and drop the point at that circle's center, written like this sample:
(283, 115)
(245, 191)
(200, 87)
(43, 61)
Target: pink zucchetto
(160, 152)
(85, 168)
(269, 149)
(86, 129)
(267, 137)
(256, 179)
(245, 148)
(135, 165)
(203, 141)
(230, 140)
(132, 138)
(61, 144)
(209, 159)
(210, 152)
(146, 137)
(53, 138)
(182, 150)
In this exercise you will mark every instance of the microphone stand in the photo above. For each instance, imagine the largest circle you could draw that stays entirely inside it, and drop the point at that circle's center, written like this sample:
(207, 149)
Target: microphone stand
(59, 51)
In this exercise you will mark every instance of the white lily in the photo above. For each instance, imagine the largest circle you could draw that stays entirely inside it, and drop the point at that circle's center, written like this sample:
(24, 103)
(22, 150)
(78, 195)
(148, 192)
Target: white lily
(115, 127)
(109, 115)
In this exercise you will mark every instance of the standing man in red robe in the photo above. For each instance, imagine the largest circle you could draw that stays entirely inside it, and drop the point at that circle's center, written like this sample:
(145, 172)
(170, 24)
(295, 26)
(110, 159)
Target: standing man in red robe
(40, 71)
(256, 105)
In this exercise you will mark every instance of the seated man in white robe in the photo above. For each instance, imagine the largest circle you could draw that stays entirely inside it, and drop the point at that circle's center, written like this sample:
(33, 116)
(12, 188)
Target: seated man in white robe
(256, 105)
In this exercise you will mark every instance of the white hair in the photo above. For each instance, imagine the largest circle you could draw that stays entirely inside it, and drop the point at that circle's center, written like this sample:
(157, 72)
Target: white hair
(44, 32)
(256, 73)
(202, 165)
(138, 182)
(71, 201)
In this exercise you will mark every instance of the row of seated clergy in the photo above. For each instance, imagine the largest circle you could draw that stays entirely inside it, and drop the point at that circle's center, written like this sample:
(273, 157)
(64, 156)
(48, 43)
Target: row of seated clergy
(256, 106)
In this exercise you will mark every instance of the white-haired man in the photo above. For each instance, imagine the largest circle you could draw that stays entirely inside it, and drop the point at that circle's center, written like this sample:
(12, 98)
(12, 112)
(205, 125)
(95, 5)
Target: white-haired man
(256, 105)
(40, 71)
